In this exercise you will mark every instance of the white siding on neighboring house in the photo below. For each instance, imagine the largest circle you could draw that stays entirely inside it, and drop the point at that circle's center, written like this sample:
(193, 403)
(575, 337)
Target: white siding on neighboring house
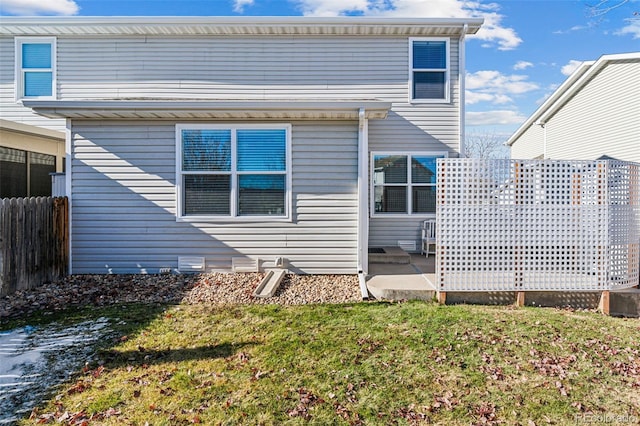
(530, 144)
(601, 119)
(124, 203)
(593, 114)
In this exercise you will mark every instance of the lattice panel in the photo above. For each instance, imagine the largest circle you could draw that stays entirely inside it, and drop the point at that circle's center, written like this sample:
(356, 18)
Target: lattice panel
(512, 225)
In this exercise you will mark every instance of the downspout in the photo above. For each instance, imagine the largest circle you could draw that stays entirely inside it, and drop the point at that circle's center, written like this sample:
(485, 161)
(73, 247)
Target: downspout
(544, 138)
(67, 180)
(462, 85)
(363, 201)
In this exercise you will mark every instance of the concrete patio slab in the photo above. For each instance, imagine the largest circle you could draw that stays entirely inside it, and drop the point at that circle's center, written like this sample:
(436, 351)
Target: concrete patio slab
(401, 281)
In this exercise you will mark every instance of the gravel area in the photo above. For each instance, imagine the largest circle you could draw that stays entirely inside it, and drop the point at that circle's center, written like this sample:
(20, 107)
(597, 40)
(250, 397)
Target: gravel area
(210, 288)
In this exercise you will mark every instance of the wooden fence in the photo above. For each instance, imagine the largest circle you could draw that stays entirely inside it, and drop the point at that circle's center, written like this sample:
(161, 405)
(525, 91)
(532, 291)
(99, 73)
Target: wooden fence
(34, 242)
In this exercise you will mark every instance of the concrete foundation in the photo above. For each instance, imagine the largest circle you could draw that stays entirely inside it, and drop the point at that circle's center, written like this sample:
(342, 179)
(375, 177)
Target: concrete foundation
(625, 303)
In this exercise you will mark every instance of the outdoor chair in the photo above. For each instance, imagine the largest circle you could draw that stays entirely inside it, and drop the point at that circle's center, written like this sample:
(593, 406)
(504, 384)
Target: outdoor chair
(429, 237)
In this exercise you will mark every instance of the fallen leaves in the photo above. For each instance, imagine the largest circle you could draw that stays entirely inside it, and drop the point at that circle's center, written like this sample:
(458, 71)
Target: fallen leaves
(306, 400)
(486, 414)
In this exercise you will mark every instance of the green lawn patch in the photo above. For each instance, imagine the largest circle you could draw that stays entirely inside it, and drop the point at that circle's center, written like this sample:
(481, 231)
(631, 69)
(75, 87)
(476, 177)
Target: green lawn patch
(364, 363)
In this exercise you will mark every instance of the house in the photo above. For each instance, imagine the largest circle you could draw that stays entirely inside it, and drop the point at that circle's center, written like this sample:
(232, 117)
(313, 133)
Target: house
(208, 143)
(593, 114)
(28, 156)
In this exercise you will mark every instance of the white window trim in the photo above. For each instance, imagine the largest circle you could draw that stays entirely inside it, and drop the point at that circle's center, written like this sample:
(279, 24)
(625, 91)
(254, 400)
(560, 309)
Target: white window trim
(408, 185)
(233, 217)
(447, 76)
(19, 72)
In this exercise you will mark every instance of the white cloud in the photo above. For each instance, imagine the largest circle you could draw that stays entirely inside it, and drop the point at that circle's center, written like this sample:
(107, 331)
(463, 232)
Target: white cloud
(522, 65)
(497, 117)
(39, 7)
(493, 32)
(495, 87)
(633, 28)
(239, 5)
(574, 28)
(569, 68)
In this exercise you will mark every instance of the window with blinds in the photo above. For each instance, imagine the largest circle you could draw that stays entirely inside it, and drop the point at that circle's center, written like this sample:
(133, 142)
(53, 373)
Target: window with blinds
(429, 73)
(25, 173)
(35, 67)
(404, 183)
(235, 171)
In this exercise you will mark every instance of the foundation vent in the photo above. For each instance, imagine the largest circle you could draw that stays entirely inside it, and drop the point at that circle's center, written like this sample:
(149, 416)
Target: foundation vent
(190, 264)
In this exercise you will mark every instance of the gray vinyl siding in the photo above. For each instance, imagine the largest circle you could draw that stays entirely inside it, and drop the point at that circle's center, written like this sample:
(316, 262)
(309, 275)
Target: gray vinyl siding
(13, 110)
(9, 108)
(235, 67)
(124, 204)
(601, 118)
(428, 127)
(530, 144)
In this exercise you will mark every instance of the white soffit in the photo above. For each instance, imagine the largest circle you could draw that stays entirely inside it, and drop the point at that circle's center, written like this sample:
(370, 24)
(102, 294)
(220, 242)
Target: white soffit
(228, 25)
(223, 110)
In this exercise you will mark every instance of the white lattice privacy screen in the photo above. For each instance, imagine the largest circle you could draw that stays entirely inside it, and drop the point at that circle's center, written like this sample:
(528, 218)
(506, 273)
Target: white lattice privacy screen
(517, 225)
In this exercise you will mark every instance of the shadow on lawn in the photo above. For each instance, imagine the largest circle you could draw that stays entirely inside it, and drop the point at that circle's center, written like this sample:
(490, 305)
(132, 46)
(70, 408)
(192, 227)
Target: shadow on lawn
(115, 359)
(42, 351)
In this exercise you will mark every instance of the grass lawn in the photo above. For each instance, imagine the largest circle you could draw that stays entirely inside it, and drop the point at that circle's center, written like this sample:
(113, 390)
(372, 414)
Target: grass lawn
(364, 363)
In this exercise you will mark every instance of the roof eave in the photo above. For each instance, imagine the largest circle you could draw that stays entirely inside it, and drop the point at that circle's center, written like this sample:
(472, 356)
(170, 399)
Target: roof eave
(234, 25)
(27, 129)
(191, 110)
(571, 85)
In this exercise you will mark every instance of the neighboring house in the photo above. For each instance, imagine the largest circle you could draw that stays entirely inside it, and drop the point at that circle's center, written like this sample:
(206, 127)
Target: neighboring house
(202, 140)
(593, 114)
(28, 156)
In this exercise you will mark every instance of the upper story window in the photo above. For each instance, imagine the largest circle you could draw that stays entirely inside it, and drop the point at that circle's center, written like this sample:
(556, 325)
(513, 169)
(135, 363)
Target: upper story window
(35, 67)
(404, 183)
(429, 69)
(233, 171)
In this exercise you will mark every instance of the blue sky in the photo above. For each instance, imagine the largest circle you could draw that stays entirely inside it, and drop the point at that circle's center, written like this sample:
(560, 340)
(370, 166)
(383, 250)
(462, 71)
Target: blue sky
(525, 50)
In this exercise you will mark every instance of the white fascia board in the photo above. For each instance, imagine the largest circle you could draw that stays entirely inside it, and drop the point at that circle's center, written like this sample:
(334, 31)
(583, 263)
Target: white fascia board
(173, 109)
(238, 25)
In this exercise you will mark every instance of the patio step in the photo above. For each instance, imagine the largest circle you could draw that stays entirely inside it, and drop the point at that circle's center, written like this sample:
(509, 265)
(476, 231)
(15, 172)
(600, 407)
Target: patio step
(399, 282)
(390, 255)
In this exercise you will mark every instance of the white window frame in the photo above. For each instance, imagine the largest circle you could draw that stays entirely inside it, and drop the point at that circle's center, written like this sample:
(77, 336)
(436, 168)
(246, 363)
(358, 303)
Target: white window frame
(408, 185)
(447, 71)
(233, 196)
(19, 71)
